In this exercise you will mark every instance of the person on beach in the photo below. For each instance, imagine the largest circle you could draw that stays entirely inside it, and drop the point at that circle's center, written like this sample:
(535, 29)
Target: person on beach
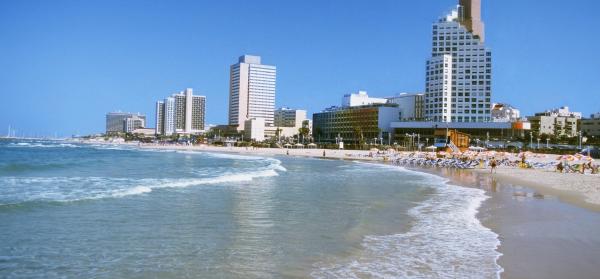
(560, 167)
(323, 152)
(594, 169)
(493, 164)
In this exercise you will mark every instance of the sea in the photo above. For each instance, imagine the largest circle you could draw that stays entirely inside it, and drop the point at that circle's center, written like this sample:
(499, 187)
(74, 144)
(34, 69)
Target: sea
(71, 210)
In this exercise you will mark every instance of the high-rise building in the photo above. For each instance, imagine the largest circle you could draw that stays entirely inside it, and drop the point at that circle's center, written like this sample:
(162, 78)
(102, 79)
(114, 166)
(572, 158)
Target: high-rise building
(169, 116)
(116, 121)
(470, 17)
(251, 91)
(182, 113)
(459, 72)
(160, 118)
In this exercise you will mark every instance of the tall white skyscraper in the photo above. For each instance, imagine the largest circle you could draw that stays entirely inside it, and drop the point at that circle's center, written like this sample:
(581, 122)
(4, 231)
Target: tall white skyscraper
(251, 91)
(459, 73)
(169, 116)
(182, 113)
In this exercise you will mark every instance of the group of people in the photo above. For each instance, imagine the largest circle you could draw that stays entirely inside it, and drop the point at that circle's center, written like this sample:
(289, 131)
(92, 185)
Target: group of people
(493, 162)
(577, 168)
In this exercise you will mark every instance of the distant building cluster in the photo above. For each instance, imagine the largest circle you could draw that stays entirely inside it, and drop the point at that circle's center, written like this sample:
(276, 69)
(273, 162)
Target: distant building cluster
(457, 95)
(181, 113)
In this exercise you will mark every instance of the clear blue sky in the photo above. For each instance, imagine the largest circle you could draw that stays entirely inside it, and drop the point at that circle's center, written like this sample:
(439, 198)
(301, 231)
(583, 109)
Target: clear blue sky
(64, 64)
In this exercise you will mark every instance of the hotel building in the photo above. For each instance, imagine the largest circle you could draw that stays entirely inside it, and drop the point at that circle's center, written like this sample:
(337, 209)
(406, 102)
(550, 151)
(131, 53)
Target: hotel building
(359, 119)
(116, 122)
(181, 113)
(251, 91)
(459, 72)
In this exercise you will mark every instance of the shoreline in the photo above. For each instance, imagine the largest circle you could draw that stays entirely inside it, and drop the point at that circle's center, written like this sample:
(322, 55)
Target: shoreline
(544, 232)
(576, 189)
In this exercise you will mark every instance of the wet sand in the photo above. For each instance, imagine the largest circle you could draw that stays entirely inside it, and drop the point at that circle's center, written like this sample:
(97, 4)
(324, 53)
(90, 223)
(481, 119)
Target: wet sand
(541, 235)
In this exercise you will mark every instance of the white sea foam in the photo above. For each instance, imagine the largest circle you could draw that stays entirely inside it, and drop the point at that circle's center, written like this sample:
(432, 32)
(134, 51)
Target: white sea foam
(42, 145)
(68, 189)
(233, 156)
(132, 191)
(446, 241)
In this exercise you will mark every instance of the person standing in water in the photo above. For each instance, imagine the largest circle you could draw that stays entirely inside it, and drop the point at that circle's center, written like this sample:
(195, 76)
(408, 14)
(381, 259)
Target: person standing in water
(493, 164)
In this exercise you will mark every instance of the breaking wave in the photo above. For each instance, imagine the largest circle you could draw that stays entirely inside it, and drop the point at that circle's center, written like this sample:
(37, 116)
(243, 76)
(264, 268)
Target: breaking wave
(446, 240)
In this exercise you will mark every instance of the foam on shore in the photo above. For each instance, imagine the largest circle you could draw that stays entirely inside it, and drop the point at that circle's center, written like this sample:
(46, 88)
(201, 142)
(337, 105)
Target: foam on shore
(446, 241)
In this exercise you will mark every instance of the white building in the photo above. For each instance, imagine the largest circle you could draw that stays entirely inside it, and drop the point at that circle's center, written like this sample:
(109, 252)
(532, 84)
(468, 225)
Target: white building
(251, 91)
(115, 121)
(360, 99)
(134, 122)
(410, 105)
(458, 79)
(556, 122)
(255, 129)
(169, 117)
(187, 115)
(505, 113)
(562, 112)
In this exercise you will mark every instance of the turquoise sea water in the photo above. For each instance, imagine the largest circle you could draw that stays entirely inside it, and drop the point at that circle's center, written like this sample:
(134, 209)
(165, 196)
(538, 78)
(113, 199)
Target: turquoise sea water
(84, 211)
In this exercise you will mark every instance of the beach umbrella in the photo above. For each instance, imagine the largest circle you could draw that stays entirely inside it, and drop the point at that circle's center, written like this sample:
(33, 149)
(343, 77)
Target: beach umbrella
(433, 147)
(566, 157)
(476, 148)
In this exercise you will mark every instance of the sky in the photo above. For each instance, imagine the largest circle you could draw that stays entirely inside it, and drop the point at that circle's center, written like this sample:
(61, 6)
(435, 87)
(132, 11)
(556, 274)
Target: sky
(65, 64)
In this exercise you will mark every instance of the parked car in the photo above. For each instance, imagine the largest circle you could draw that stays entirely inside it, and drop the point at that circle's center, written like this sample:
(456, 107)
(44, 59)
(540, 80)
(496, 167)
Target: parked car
(594, 152)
